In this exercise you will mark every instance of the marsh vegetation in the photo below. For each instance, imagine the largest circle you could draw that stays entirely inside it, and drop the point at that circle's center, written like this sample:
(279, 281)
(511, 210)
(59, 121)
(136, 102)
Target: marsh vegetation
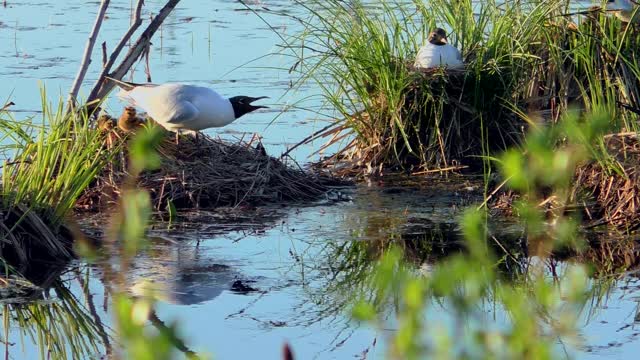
(526, 64)
(517, 200)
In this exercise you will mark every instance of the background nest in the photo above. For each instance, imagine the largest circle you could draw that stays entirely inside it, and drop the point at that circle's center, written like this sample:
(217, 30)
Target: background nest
(207, 173)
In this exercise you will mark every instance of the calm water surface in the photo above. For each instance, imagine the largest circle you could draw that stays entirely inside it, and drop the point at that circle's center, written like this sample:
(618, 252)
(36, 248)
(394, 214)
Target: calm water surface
(288, 255)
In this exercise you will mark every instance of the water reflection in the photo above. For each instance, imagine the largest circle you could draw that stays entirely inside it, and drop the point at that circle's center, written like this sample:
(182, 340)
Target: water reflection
(49, 309)
(336, 249)
(309, 263)
(180, 273)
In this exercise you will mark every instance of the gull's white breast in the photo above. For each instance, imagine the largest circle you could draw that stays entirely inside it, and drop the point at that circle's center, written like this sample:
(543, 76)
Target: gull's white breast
(430, 56)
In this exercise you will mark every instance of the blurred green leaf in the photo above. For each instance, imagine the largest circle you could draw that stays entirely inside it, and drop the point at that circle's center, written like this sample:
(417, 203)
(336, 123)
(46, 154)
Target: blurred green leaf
(142, 149)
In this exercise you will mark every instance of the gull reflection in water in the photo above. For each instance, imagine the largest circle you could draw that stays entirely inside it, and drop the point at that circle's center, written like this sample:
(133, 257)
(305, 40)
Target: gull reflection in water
(180, 273)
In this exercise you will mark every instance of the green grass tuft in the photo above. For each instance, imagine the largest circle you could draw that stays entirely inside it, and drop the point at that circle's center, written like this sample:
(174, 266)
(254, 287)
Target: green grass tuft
(527, 63)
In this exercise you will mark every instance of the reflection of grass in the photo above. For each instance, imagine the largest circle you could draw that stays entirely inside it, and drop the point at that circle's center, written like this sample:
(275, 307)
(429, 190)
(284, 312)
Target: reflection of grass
(347, 265)
(541, 305)
(539, 298)
(440, 257)
(59, 326)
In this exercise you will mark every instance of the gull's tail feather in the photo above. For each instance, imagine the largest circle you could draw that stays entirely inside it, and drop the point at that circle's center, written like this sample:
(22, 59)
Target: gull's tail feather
(125, 96)
(128, 86)
(124, 85)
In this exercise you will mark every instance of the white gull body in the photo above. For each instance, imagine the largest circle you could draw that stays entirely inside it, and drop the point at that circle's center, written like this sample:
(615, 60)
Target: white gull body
(180, 107)
(432, 56)
(624, 10)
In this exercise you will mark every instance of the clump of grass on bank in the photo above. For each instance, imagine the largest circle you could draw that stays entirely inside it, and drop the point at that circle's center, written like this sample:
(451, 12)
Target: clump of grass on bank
(39, 308)
(521, 58)
(48, 163)
(207, 173)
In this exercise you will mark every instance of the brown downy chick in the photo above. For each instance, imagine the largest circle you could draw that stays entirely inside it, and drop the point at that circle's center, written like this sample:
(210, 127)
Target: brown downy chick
(129, 121)
(106, 123)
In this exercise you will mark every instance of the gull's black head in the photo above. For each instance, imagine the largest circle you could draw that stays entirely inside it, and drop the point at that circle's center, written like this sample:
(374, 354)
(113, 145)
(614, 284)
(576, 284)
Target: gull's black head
(242, 104)
(7, 105)
(438, 37)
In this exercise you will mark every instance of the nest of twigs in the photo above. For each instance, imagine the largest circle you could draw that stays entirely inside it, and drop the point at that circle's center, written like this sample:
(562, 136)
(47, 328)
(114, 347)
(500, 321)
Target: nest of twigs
(204, 172)
(616, 193)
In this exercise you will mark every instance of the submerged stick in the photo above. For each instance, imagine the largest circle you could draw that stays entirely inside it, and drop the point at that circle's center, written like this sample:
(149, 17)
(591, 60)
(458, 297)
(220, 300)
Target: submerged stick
(86, 57)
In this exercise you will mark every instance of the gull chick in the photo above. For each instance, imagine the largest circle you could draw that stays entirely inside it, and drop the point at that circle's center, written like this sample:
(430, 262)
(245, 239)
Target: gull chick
(182, 107)
(129, 120)
(106, 123)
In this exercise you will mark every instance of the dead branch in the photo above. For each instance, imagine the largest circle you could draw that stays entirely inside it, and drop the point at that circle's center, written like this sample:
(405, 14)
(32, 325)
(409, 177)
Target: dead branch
(86, 57)
(102, 87)
(137, 21)
(104, 53)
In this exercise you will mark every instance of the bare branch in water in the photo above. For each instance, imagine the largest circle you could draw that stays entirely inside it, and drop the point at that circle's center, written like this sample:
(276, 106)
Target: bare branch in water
(86, 57)
(104, 54)
(137, 21)
(102, 87)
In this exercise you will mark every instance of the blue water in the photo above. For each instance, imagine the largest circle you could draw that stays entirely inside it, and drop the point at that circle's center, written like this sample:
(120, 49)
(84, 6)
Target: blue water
(221, 44)
(214, 43)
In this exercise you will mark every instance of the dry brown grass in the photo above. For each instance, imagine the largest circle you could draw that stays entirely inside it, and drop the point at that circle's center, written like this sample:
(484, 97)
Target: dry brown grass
(26, 237)
(617, 194)
(612, 253)
(206, 173)
(606, 193)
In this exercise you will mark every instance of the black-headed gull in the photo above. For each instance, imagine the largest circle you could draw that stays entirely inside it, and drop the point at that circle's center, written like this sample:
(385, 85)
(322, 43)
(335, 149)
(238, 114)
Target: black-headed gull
(437, 52)
(182, 107)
